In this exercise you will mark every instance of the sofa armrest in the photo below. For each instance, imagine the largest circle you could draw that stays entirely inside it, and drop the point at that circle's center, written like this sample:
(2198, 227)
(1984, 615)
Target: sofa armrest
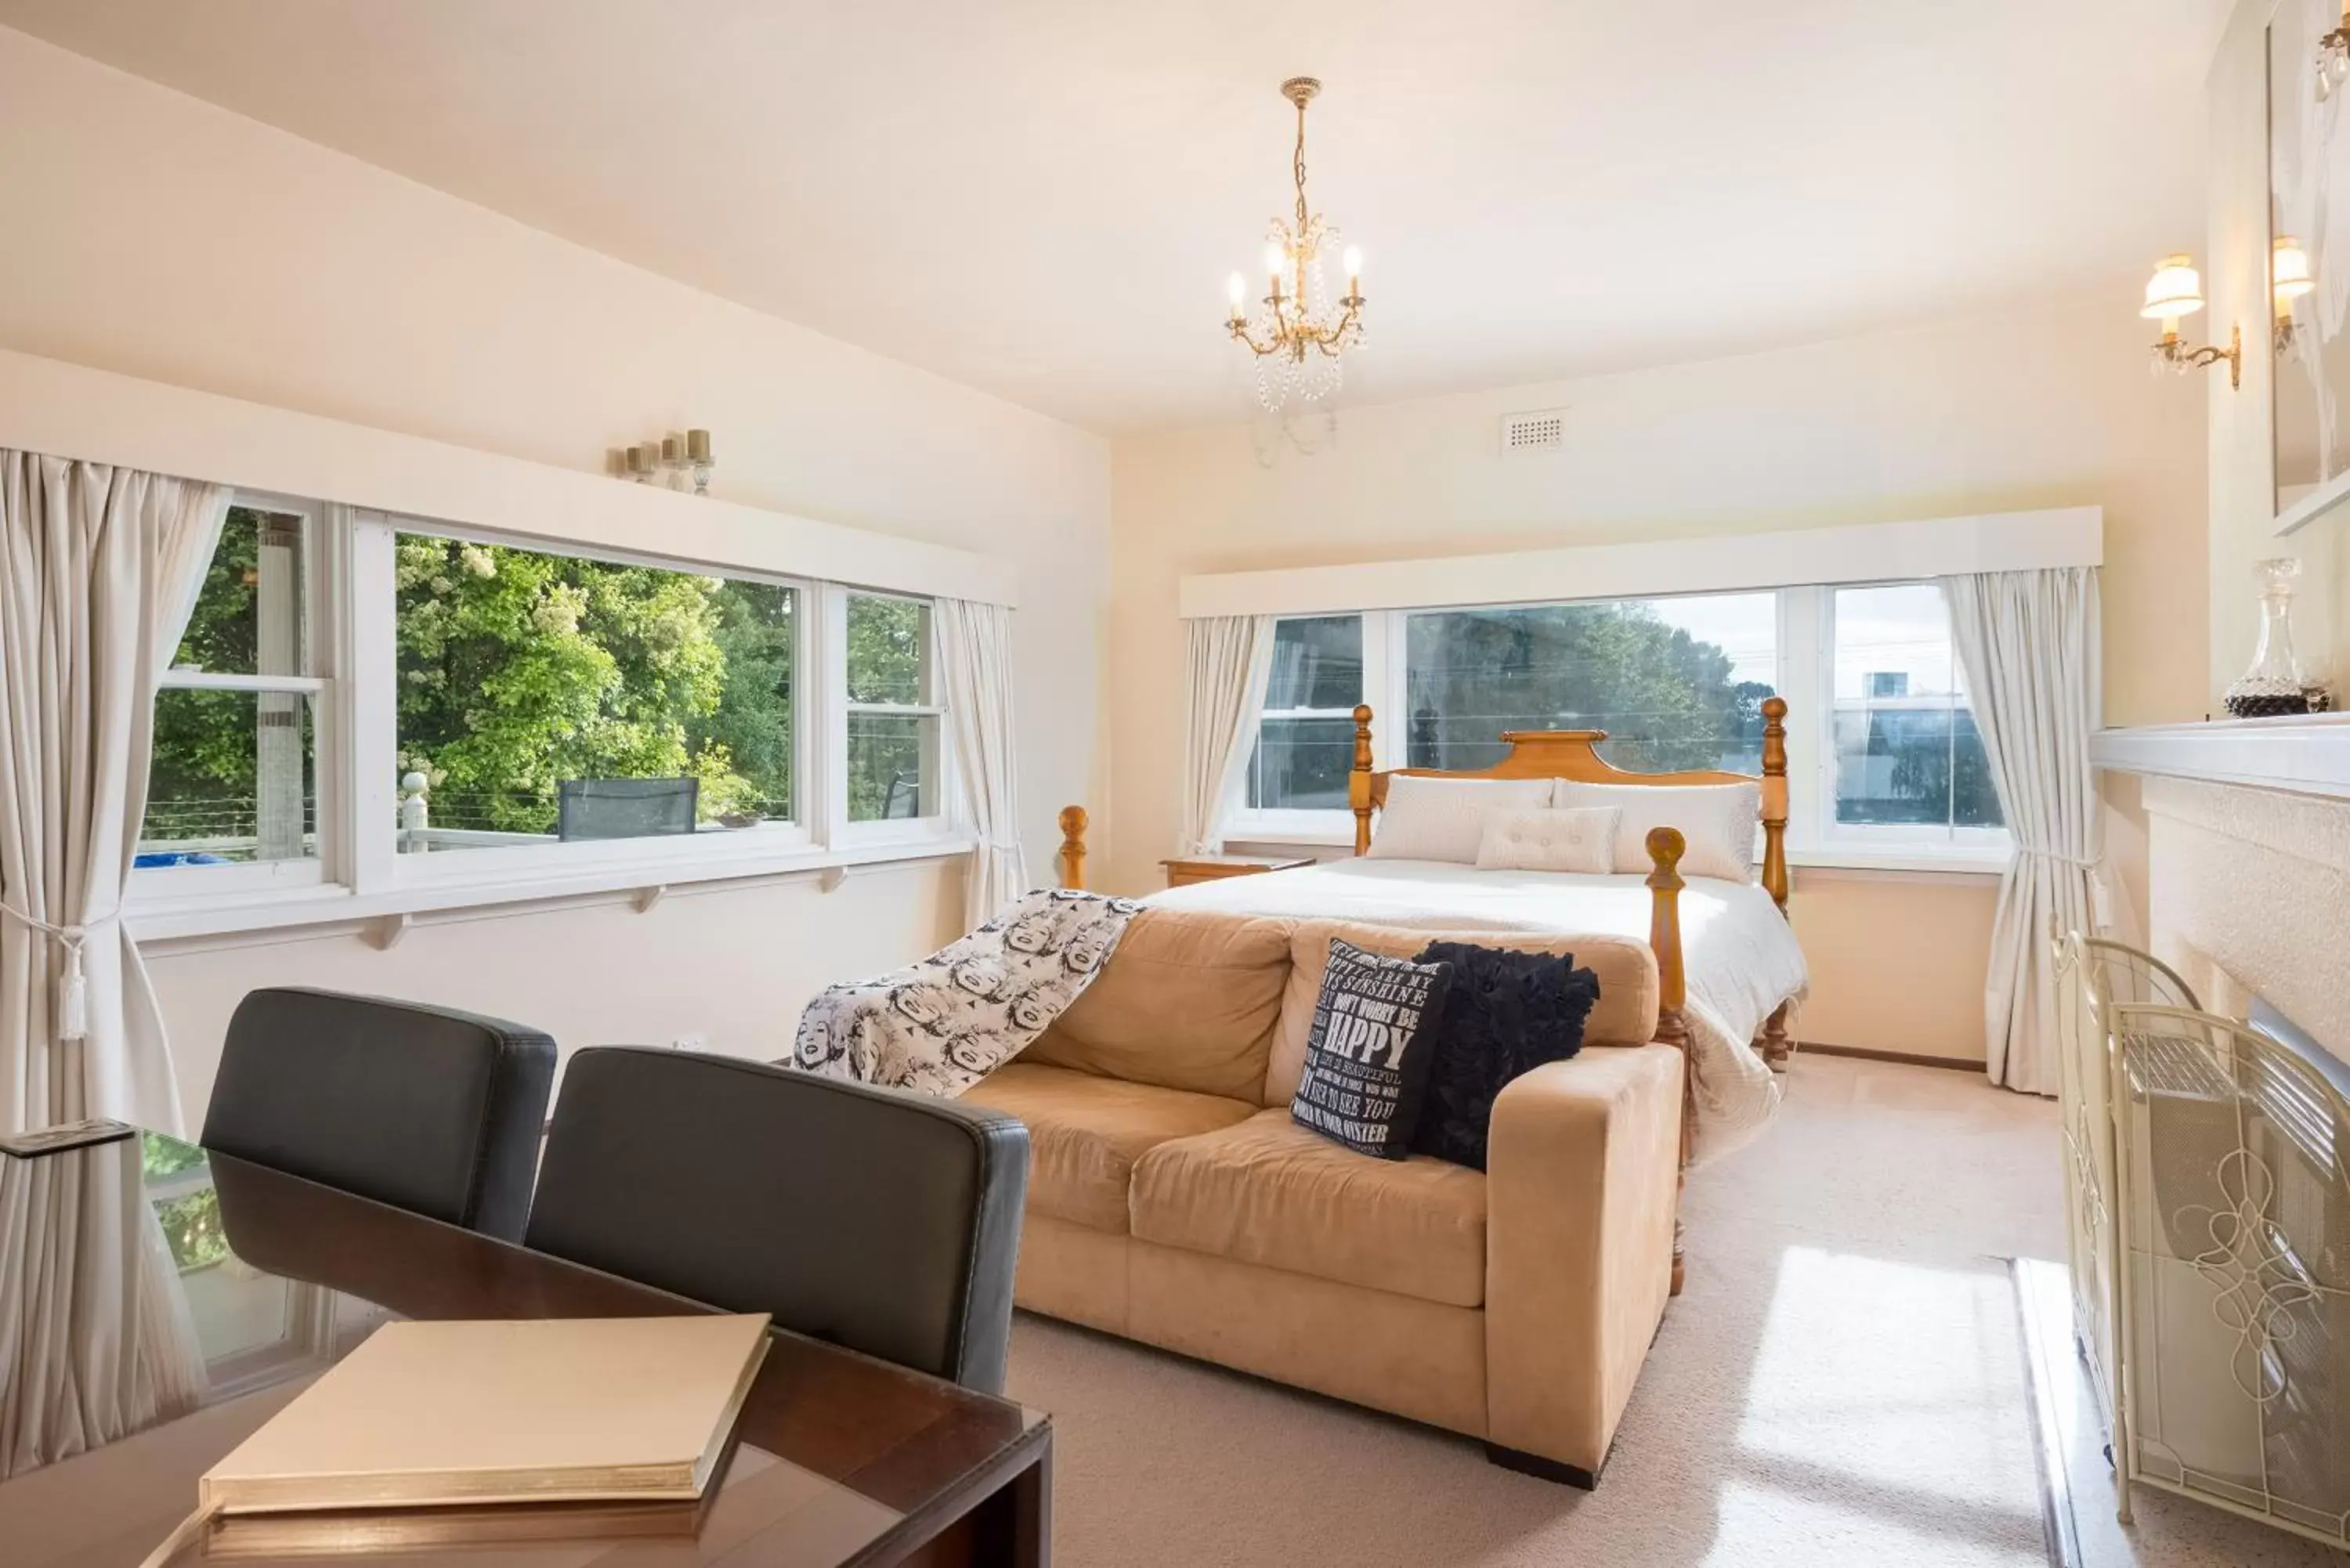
(1582, 1176)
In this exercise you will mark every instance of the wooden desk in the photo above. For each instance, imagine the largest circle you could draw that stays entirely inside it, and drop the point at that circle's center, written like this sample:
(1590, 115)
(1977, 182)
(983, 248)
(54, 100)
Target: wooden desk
(1188, 869)
(839, 1459)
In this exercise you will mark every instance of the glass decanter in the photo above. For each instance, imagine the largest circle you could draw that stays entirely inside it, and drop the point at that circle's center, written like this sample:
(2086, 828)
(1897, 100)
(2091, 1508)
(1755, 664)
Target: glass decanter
(2273, 686)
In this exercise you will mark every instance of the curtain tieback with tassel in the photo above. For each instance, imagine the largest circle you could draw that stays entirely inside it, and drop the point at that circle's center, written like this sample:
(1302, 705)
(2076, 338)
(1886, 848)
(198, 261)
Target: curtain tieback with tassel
(73, 988)
(2090, 864)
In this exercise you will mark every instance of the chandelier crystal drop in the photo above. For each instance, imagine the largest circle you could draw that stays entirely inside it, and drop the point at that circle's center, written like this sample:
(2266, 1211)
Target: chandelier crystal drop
(1300, 331)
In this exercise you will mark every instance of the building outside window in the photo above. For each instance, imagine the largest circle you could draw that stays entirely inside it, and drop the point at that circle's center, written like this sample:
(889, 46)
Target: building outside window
(1906, 755)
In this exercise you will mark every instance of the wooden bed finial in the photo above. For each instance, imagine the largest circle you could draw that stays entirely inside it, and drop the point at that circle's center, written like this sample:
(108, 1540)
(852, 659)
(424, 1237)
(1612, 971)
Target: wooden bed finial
(1358, 781)
(1775, 799)
(1073, 845)
(1666, 847)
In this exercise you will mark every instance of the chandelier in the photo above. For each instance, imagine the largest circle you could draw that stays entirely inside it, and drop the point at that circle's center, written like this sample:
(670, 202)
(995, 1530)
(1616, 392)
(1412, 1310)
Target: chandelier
(1299, 332)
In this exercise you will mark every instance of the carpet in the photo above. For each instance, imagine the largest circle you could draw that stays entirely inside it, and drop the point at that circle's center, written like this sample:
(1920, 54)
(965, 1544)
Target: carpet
(1842, 1382)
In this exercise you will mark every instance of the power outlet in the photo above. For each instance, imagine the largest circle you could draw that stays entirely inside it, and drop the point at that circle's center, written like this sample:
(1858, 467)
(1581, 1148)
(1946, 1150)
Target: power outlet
(691, 1042)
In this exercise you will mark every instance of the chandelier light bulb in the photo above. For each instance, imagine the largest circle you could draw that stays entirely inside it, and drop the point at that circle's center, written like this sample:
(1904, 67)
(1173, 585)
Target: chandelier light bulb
(1354, 263)
(1276, 261)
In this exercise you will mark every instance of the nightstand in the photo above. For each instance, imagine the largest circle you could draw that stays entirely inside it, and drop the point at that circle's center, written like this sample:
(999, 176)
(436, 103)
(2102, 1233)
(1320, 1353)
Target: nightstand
(1208, 868)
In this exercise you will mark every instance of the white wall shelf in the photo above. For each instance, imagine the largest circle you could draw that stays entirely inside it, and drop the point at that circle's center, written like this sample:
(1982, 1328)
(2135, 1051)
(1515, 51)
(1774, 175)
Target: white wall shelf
(2305, 754)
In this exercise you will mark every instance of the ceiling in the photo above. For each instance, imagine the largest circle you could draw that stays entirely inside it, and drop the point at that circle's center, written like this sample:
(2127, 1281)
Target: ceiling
(1043, 198)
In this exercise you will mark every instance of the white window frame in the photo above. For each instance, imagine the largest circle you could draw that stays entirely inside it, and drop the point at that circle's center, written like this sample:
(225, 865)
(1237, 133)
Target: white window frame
(352, 649)
(494, 865)
(1244, 823)
(323, 574)
(939, 822)
(1971, 847)
(1805, 665)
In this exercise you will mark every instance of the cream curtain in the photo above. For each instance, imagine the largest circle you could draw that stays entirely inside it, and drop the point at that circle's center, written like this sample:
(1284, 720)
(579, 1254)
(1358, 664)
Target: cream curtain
(99, 569)
(2029, 642)
(97, 1341)
(1230, 658)
(975, 657)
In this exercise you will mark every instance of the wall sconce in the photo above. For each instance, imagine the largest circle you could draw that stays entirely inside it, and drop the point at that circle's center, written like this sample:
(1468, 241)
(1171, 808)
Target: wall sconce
(2177, 290)
(2334, 56)
(2289, 279)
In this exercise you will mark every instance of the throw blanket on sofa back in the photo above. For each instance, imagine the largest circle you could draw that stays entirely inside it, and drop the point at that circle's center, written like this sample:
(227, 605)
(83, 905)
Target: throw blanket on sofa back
(942, 1024)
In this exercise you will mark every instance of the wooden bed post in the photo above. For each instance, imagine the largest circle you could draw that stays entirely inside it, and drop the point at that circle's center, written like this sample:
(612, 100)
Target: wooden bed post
(1358, 781)
(1666, 847)
(1073, 846)
(1776, 1047)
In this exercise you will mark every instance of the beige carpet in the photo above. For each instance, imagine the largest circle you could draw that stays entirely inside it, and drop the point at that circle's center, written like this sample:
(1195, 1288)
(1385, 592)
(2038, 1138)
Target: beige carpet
(1841, 1384)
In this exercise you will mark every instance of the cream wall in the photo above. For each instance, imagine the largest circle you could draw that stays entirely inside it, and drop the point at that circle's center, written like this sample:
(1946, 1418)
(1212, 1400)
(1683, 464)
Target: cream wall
(2045, 404)
(161, 237)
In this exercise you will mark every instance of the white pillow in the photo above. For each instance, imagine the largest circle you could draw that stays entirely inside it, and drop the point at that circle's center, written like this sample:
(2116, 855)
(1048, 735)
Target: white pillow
(1442, 819)
(1717, 820)
(1579, 840)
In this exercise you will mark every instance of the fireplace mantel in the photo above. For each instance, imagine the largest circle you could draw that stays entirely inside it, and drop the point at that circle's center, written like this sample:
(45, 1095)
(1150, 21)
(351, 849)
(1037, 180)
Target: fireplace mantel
(2305, 754)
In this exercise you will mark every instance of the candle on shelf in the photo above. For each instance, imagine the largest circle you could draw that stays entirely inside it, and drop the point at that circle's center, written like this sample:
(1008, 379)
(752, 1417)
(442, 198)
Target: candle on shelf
(670, 452)
(640, 461)
(697, 446)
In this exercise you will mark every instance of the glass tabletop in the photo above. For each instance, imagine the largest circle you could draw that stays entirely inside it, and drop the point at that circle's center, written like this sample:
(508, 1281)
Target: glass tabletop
(157, 1303)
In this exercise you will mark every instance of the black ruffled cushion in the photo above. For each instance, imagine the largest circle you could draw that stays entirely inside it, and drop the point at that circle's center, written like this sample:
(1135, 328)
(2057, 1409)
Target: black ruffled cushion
(1505, 1012)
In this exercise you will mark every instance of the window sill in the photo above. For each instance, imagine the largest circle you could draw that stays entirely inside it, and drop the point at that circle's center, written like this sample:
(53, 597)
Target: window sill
(152, 919)
(1971, 864)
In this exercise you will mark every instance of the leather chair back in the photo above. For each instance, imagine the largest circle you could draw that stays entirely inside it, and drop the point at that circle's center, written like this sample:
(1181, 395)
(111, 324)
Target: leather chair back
(879, 1220)
(431, 1110)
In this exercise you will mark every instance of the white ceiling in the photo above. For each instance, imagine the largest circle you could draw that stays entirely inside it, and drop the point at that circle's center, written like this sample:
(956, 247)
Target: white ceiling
(1042, 199)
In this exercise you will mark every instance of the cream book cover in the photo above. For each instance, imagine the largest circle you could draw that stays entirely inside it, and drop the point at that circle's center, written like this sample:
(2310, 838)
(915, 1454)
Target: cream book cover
(536, 1410)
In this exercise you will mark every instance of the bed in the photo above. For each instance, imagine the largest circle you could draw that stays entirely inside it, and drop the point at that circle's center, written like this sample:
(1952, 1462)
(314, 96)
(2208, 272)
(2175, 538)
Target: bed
(1729, 968)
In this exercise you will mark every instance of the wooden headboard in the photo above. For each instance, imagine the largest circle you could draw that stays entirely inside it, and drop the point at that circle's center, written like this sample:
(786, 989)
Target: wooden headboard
(1574, 754)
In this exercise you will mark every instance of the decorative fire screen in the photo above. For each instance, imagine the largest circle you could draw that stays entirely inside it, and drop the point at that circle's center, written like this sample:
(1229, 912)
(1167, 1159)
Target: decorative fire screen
(2226, 1235)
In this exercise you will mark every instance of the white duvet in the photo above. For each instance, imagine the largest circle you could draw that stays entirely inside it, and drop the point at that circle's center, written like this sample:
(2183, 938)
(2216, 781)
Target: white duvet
(1740, 958)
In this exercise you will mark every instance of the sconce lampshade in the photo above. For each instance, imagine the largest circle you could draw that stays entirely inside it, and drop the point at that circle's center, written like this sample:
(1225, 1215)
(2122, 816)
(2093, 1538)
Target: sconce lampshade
(2176, 290)
(2289, 274)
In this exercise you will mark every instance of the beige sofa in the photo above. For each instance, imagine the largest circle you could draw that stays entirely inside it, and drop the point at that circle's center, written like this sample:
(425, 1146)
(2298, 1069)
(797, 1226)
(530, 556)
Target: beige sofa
(1172, 1201)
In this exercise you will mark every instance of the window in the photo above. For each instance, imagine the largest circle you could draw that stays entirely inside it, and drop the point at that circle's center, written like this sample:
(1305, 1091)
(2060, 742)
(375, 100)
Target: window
(1306, 743)
(1885, 766)
(1676, 683)
(359, 695)
(234, 773)
(544, 698)
(1906, 760)
(893, 717)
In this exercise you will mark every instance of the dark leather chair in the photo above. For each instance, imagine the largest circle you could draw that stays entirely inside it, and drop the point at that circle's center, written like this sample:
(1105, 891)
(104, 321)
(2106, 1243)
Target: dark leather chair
(876, 1219)
(425, 1109)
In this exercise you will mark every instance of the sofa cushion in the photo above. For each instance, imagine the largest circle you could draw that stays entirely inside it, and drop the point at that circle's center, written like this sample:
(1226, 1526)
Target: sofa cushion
(1190, 1001)
(1269, 1192)
(1085, 1132)
(1626, 1013)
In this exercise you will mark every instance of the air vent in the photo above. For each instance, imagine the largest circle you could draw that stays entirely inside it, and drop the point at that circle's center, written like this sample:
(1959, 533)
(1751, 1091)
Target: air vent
(1543, 432)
